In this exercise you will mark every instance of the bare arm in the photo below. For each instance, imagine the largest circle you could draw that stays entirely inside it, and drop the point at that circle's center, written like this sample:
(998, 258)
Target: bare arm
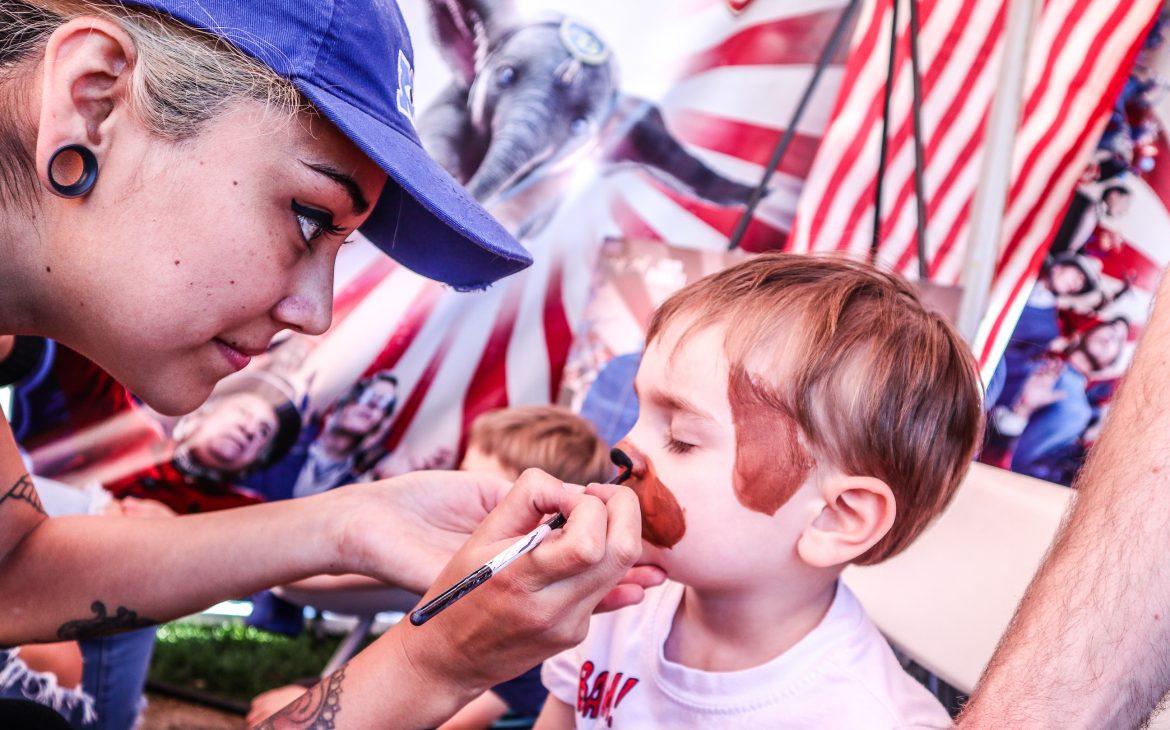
(74, 577)
(538, 606)
(1088, 644)
(555, 715)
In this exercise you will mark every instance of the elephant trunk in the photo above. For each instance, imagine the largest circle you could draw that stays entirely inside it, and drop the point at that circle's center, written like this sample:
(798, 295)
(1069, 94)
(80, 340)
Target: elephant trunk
(520, 141)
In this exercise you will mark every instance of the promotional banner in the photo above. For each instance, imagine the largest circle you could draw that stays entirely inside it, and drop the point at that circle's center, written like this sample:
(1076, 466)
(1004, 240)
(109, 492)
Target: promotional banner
(572, 123)
(1077, 330)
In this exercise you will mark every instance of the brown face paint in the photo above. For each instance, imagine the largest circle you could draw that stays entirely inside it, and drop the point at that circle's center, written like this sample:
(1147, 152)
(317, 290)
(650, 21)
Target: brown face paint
(770, 461)
(663, 522)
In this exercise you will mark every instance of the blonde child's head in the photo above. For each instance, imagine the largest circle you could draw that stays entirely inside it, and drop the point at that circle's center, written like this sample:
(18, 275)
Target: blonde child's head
(549, 438)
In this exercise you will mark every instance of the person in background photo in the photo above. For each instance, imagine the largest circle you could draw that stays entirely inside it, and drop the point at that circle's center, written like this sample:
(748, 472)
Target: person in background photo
(336, 449)
(1039, 418)
(249, 423)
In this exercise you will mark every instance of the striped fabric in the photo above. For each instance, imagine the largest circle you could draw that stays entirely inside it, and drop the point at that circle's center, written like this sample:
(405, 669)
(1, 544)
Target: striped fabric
(1078, 57)
(725, 82)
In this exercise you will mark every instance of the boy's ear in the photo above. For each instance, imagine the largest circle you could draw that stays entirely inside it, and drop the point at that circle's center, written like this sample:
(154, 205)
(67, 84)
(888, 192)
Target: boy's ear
(857, 513)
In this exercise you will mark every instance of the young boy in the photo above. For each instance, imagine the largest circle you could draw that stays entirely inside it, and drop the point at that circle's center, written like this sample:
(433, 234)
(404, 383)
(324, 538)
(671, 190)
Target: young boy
(797, 414)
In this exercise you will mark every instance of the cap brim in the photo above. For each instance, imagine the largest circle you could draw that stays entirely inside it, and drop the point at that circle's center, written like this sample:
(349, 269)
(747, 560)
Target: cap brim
(428, 222)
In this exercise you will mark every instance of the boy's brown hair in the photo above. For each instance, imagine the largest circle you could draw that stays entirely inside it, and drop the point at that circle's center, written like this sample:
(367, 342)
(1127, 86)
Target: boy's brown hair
(877, 385)
(549, 438)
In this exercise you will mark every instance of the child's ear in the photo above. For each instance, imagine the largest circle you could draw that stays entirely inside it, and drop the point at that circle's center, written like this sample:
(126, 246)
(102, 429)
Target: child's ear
(857, 513)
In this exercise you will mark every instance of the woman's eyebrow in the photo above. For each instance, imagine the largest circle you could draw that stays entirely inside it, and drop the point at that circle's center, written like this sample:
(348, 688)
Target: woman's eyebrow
(360, 204)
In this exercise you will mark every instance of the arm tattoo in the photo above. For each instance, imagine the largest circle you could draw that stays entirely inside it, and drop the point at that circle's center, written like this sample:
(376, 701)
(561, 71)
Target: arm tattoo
(23, 491)
(102, 625)
(314, 710)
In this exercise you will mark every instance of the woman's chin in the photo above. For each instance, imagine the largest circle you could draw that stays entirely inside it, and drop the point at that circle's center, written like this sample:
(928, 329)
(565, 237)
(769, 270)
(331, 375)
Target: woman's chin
(172, 399)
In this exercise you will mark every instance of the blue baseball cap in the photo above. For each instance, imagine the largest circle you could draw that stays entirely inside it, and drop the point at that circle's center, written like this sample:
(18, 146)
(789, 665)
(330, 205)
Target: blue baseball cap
(353, 60)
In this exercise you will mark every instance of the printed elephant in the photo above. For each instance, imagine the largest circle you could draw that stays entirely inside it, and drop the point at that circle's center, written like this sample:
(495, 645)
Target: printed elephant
(529, 94)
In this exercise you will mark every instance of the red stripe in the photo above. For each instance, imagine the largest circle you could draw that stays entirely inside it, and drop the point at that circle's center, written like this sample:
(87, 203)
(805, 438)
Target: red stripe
(1058, 43)
(488, 388)
(1130, 263)
(1091, 130)
(408, 328)
(629, 222)
(853, 68)
(938, 197)
(936, 136)
(785, 41)
(760, 236)
(558, 335)
(951, 238)
(414, 400)
(1061, 121)
(903, 135)
(1041, 250)
(746, 141)
(852, 153)
(360, 286)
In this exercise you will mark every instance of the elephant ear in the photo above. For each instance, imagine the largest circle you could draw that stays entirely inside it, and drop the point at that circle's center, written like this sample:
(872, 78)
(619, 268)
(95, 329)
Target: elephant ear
(637, 134)
(465, 31)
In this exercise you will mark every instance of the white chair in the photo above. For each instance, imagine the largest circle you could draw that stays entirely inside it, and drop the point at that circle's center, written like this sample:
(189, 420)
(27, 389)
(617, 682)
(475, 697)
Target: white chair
(948, 599)
(363, 603)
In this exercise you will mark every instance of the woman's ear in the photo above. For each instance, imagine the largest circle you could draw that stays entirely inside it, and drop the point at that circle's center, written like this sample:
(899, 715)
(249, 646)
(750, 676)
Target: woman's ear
(857, 513)
(85, 85)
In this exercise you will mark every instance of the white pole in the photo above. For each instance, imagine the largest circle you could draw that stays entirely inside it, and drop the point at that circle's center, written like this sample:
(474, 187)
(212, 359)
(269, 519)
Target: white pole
(990, 200)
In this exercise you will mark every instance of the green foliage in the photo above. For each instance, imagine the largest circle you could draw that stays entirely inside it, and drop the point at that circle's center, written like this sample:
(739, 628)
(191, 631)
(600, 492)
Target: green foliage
(233, 660)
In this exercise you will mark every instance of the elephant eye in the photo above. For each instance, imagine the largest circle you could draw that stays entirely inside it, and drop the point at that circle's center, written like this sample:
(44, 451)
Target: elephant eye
(505, 76)
(579, 125)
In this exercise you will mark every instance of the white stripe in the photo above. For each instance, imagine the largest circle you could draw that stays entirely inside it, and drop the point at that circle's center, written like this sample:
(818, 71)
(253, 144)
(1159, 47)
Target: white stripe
(899, 172)
(839, 133)
(527, 354)
(1066, 65)
(749, 94)
(667, 219)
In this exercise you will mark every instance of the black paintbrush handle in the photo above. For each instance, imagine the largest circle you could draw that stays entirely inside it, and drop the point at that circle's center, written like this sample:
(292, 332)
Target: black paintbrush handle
(449, 596)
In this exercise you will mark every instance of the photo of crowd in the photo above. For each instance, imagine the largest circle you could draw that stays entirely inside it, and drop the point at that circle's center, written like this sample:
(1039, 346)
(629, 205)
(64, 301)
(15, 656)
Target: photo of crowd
(1075, 337)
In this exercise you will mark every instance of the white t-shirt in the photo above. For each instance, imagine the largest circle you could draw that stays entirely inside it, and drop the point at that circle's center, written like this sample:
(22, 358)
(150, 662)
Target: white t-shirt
(841, 676)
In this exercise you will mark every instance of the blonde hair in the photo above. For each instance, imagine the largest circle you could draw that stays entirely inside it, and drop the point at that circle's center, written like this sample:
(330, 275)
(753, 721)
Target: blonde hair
(549, 438)
(182, 76)
(878, 385)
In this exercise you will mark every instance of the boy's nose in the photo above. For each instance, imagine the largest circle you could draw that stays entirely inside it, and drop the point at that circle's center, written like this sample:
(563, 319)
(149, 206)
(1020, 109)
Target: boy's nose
(637, 457)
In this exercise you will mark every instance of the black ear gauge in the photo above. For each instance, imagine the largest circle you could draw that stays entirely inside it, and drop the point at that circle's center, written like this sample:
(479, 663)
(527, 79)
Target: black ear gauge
(84, 181)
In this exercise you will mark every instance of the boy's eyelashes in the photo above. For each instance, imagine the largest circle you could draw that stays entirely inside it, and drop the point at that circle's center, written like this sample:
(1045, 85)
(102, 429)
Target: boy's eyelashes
(675, 446)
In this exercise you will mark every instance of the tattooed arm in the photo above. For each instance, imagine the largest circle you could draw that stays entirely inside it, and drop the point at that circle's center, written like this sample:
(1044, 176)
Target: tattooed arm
(418, 676)
(75, 577)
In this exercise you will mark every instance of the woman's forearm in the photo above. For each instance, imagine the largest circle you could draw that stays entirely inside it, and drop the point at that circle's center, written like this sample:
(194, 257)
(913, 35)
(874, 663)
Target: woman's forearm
(75, 577)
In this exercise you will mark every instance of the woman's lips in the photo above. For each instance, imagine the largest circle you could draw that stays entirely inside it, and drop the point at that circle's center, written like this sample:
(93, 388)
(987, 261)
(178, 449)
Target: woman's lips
(235, 358)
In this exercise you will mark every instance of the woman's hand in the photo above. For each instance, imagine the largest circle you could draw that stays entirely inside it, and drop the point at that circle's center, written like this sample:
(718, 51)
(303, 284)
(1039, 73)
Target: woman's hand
(404, 530)
(540, 604)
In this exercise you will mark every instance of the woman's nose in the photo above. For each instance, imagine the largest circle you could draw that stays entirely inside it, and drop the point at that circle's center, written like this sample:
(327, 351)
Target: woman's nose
(309, 307)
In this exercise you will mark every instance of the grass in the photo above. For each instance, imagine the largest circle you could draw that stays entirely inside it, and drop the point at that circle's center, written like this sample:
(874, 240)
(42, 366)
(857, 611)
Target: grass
(235, 661)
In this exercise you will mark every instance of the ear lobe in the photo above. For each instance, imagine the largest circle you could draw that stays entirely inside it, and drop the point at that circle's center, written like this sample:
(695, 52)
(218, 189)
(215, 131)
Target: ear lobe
(85, 77)
(857, 513)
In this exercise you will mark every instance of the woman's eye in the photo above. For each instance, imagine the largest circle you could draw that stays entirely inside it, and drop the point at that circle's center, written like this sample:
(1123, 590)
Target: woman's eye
(314, 223)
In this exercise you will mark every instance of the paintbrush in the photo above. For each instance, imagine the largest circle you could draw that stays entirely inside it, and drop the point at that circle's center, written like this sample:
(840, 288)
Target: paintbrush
(524, 545)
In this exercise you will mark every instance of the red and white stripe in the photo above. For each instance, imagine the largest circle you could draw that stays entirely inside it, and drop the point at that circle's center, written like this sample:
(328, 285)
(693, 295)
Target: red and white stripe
(1089, 48)
(1079, 55)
